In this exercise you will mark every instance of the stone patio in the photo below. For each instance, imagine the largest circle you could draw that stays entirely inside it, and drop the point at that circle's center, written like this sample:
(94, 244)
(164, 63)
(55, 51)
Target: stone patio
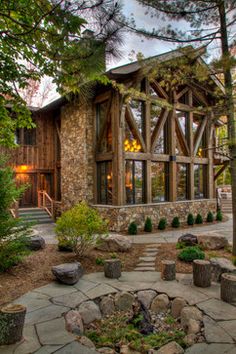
(45, 331)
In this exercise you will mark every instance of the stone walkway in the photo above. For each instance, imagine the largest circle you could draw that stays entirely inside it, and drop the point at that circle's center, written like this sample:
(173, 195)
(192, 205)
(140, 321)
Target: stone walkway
(148, 258)
(45, 331)
(224, 229)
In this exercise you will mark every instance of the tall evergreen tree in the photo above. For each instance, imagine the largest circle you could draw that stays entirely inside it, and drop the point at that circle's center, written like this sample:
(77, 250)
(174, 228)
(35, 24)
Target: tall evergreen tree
(209, 21)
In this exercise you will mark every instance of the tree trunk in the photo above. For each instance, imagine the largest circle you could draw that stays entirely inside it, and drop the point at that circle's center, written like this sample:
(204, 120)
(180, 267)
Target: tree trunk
(230, 111)
(112, 268)
(168, 270)
(12, 319)
(201, 273)
(228, 288)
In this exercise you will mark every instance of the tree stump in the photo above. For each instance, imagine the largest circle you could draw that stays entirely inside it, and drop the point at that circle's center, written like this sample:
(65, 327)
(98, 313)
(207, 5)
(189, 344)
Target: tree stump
(201, 273)
(228, 288)
(12, 319)
(168, 270)
(112, 268)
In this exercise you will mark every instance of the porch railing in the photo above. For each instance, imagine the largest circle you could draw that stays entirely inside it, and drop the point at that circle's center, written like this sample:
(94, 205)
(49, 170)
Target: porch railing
(14, 210)
(46, 202)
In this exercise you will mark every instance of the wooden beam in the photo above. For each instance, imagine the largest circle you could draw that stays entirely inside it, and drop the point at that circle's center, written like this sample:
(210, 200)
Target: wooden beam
(158, 128)
(103, 97)
(181, 137)
(182, 92)
(134, 128)
(221, 170)
(104, 156)
(190, 144)
(105, 124)
(199, 134)
(157, 87)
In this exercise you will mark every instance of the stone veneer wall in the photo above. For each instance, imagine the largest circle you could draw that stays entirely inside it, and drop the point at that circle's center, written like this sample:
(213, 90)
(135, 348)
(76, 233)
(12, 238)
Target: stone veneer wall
(120, 216)
(77, 154)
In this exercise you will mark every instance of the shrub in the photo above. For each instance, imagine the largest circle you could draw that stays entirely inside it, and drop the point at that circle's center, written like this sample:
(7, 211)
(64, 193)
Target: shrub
(199, 219)
(113, 255)
(190, 219)
(180, 245)
(13, 232)
(133, 229)
(64, 244)
(210, 217)
(175, 222)
(219, 215)
(148, 225)
(188, 254)
(82, 226)
(99, 261)
(162, 224)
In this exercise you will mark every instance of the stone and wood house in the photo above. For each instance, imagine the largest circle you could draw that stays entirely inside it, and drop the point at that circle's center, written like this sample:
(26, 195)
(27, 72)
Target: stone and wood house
(150, 153)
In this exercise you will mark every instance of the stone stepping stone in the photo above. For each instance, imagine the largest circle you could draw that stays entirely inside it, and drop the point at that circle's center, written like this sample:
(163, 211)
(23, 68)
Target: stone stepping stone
(146, 264)
(147, 259)
(143, 269)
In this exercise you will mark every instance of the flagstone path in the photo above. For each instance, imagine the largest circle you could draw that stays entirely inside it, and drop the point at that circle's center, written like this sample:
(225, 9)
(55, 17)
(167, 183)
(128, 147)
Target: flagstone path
(45, 331)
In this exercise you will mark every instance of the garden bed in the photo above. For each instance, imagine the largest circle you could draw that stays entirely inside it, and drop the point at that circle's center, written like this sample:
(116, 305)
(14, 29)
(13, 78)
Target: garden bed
(35, 270)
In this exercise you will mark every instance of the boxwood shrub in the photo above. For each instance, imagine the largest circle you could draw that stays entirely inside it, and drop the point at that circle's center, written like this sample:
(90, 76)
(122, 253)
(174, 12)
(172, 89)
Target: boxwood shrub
(188, 254)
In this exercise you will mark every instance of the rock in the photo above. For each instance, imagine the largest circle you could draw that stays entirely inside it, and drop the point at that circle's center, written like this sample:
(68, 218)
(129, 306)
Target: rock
(68, 273)
(160, 303)
(190, 313)
(125, 349)
(193, 326)
(176, 306)
(188, 239)
(170, 348)
(115, 243)
(190, 339)
(220, 266)
(146, 297)
(106, 350)
(87, 342)
(74, 323)
(107, 306)
(89, 312)
(36, 243)
(212, 242)
(124, 301)
(112, 268)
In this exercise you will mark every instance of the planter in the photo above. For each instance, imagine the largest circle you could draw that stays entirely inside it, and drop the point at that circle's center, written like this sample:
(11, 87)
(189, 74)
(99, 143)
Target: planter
(12, 319)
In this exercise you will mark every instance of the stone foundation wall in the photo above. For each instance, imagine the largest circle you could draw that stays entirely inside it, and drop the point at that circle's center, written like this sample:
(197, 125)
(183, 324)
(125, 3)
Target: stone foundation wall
(120, 217)
(77, 154)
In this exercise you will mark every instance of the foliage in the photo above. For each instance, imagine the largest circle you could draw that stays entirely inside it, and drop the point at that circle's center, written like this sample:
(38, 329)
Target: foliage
(180, 245)
(219, 215)
(132, 229)
(83, 226)
(190, 253)
(148, 225)
(64, 244)
(190, 219)
(99, 261)
(13, 232)
(49, 36)
(210, 217)
(234, 261)
(113, 255)
(199, 219)
(175, 222)
(162, 224)
(118, 328)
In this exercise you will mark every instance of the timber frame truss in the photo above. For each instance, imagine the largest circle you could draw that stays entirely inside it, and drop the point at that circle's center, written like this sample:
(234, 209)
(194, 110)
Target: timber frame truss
(119, 114)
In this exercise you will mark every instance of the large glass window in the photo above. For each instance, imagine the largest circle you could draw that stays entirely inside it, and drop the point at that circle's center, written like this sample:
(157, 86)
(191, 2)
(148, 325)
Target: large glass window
(137, 109)
(181, 181)
(159, 177)
(199, 176)
(134, 182)
(25, 136)
(104, 176)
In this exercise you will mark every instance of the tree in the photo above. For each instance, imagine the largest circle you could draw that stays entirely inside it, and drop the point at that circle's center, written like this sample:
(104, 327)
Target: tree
(66, 40)
(209, 20)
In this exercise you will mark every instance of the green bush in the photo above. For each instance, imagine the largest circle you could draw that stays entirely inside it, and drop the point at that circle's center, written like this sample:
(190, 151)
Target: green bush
(219, 216)
(188, 254)
(99, 261)
(148, 225)
(190, 219)
(210, 217)
(162, 224)
(14, 233)
(64, 244)
(175, 222)
(180, 245)
(199, 219)
(82, 226)
(133, 229)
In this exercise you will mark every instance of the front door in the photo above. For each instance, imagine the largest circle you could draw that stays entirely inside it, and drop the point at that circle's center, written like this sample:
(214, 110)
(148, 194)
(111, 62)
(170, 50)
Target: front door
(45, 183)
(29, 197)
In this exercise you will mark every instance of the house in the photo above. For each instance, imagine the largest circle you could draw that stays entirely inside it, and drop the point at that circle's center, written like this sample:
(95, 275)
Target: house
(134, 149)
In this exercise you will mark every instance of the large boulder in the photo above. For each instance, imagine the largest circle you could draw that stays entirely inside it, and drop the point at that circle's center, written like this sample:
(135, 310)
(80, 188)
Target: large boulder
(170, 348)
(68, 273)
(114, 243)
(220, 265)
(176, 306)
(74, 323)
(146, 297)
(212, 242)
(107, 306)
(124, 301)
(160, 303)
(188, 239)
(190, 313)
(35, 243)
(89, 312)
